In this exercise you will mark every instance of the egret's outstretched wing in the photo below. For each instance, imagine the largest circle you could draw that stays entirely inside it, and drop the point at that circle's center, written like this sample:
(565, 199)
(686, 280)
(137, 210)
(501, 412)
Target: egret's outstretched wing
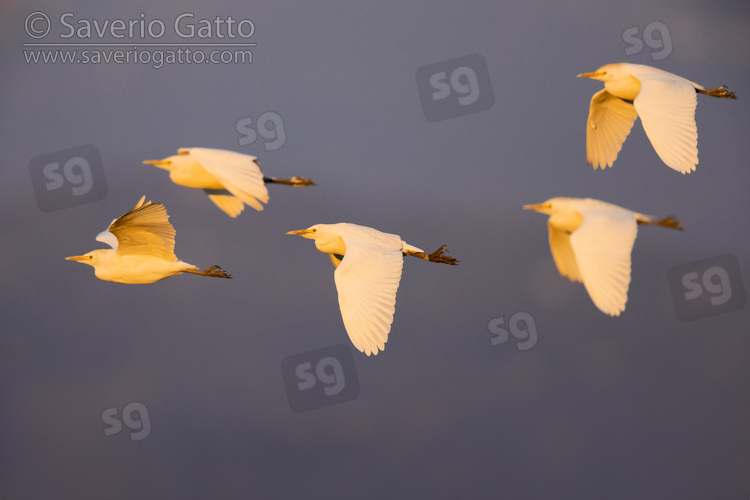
(666, 104)
(238, 173)
(367, 280)
(602, 245)
(610, 121)
(144, 230)
(109, 238)
(226, 201)
(562, 252)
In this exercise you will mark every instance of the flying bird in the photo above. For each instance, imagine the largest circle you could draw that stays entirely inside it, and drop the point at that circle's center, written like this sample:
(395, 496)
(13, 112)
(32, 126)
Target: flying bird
(142, 242)
(666, 104)
(230, 179)
(591, 242)
(368, 271)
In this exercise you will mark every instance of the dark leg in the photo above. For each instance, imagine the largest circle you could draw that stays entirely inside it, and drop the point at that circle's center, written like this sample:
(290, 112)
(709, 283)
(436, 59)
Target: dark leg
(294, 181)
(214, 272)
(436, 256)
(670, 222)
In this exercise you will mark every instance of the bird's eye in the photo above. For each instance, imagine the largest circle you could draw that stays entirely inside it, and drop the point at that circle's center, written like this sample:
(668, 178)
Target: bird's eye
(314, 229)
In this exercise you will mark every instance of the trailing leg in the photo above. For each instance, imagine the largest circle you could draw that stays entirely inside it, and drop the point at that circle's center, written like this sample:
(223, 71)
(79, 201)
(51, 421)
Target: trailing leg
(294, 181)
(436, 256)
(213, 271)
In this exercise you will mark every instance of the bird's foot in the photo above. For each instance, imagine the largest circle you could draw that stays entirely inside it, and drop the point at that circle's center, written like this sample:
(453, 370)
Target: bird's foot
(439, 256)
(301, 181)
(670, 222)
(216, 272)
(294, 181)
(720, 91)
(436, 256)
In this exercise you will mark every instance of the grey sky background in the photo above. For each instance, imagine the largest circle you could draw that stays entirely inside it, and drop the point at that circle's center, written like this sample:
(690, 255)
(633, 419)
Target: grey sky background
(643, 405)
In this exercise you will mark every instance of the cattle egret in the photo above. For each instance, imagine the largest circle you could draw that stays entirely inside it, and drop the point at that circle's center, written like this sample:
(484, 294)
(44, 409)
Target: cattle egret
(142, 242)
(591, 242)
(666, 104)
(368, 270)
(229, 179)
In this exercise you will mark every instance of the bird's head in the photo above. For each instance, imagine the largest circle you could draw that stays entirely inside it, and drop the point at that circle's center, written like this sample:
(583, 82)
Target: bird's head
(316, 232)
(92, 258)
(326, 238)
(564, 212)
(605, 73)
(554, 205)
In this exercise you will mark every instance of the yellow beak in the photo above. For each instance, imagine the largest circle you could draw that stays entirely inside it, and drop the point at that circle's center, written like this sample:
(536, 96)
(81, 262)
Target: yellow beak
(156, 163)
(593, 74)
(77, 258)
(299, 232)
(536, 207)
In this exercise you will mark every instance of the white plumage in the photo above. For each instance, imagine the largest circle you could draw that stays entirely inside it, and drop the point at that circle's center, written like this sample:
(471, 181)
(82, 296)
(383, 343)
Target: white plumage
(142, 242)
(591, 242)
(230, 179)
(368, 271)
(665, 103)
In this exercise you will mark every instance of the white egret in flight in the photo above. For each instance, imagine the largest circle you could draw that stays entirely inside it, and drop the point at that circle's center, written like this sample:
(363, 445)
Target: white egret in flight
(591, 242)
(230, 179)
(368, 271)
(142, 242)
(666, 104)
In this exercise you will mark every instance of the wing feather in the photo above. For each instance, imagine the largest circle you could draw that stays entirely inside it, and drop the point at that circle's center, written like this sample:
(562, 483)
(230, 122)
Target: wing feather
(145, 230)
(667, 109)
(602, 245)
(367, 280)
(562, 252)
(609, 123)
(240, 174)
(226, 201)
